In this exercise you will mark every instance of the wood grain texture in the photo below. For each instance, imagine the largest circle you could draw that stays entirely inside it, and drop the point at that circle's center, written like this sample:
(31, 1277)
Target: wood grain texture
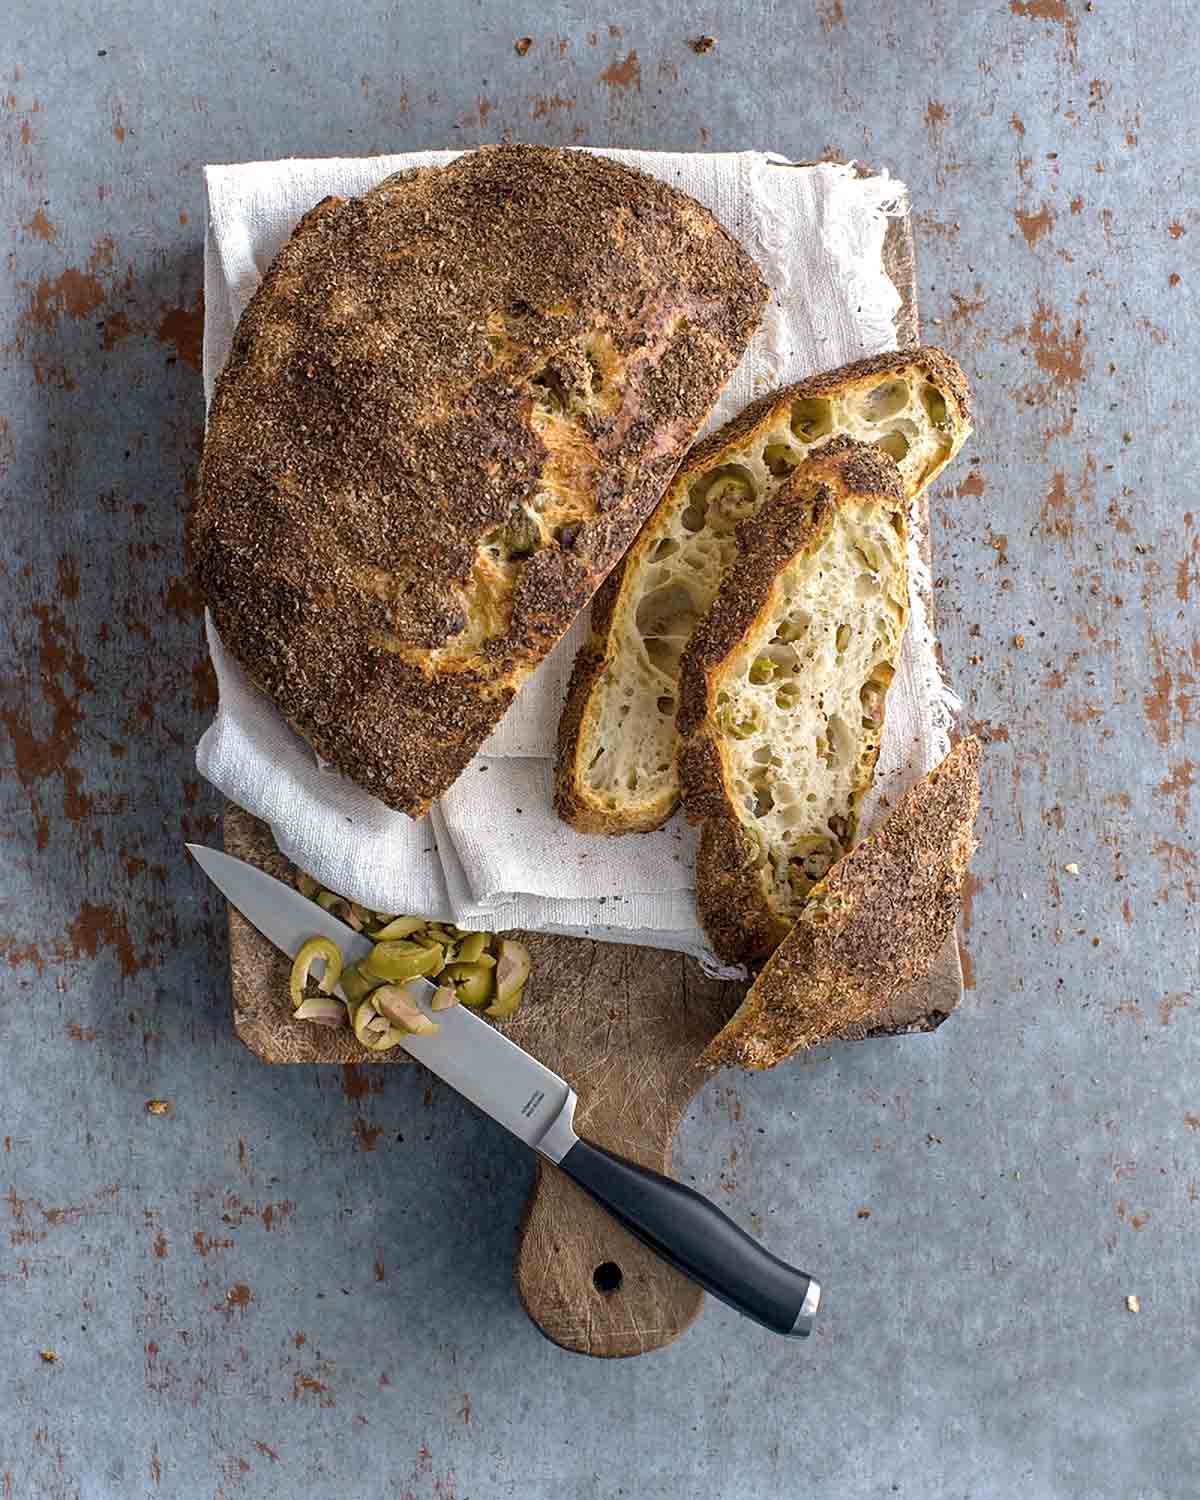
(625, 1026)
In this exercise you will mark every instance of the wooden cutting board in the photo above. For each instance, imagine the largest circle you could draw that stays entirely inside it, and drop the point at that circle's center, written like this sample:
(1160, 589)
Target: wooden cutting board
(623, 1025)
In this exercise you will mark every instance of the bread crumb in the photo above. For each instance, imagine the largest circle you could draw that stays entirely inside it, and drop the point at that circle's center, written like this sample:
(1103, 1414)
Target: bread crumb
(702, 44)
(158, 1106)
(1133, 1302)
(1018, 641)
(522, 45)
(49, 1357)
(864, 1213)
(1072, 868)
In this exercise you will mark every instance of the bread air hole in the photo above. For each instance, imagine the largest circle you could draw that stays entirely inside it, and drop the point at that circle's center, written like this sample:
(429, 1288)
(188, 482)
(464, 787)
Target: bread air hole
(666, 707)
(887, 399)
(729, 498)
(812, 418)
(668, 611)
(894, 444)
(664, 548)
(780, 458)
(935, 405)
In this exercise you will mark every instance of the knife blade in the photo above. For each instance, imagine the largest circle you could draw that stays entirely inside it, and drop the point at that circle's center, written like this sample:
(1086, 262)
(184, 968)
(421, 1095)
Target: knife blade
(538, 1107)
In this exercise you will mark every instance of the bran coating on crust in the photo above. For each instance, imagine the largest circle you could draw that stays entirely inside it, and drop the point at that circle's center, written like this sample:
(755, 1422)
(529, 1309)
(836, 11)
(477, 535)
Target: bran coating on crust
(446, 412)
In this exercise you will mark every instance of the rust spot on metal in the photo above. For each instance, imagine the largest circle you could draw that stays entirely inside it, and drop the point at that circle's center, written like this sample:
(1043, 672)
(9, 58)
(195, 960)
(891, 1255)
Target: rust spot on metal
(266, 1451)
(1058, 355)
(546, 104)
(1169, 1004)
(75, 293)
(1034, 226)
(1170, 695)
(1178, 784)
(832, 14)
(182, 329)
(366, 1135)
(935, 118)
(1187, 572)
(155, 1466)
(115, 328)
(357, 1085)
(299, 1339)
(968, 966)
(1058, 12)
(103, 926)
(965, 308)
(1176, 230)
(204, 687)
(1058, 509)
(41, 226)
(238, 1296)
(624, 75)
(79, 1033)
(308, 1385)
(973, 484)
(204, 1244)
(971, 887)
(160, 1246)
(1076, 205)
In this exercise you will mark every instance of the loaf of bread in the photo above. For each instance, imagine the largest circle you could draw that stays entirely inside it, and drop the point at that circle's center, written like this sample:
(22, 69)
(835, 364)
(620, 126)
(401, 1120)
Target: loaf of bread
(873, 926)
(616, 770)
(446, 412)
(781, 692)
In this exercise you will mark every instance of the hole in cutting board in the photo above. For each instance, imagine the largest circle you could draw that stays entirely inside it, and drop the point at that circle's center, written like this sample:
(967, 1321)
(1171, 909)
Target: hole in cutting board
(607, 1277)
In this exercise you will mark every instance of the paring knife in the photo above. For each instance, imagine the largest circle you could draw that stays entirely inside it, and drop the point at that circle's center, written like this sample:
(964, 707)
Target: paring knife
(538, 1107)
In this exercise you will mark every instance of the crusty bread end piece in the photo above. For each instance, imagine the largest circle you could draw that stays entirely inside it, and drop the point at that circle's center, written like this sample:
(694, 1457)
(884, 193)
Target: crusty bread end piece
(782, 688)
(873, 926)
(616, 769)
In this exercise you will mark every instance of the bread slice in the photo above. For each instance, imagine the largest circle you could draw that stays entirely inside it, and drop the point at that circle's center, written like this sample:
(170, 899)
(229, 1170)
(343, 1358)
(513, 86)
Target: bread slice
(616, 743)
(873, 926)
(446, 412)
(781, 692)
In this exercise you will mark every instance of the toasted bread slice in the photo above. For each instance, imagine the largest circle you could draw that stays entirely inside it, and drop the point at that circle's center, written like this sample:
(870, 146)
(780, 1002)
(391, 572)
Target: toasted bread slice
(781, 692)
(616, 743)
(873, 926)
(446, 412)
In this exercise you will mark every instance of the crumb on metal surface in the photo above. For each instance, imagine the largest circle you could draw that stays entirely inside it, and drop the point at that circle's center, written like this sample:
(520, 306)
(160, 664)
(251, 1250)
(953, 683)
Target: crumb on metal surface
(158, 1106)
(522, 45)
(1133, 1302)
(702, 44)
(1018, 641)
(48, 1356)
(1072, 868)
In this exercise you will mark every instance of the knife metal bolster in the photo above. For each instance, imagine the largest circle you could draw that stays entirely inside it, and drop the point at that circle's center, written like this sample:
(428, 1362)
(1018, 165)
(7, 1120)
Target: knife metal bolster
(559, 1136)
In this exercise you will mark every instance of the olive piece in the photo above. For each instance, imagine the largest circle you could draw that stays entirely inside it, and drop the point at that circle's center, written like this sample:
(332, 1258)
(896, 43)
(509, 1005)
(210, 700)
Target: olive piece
(472, 982)
(398, 1006)
(471, 948)
(400, 961)
(511, 973)
(397, 927)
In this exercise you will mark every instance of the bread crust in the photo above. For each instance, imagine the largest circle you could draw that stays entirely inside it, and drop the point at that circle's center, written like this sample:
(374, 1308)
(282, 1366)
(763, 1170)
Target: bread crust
(873, 926)
(739, 918)
(575, 802)
(445, 413)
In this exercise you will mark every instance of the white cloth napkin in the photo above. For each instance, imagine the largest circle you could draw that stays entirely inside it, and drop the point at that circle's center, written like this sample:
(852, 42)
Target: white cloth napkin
(492, 854)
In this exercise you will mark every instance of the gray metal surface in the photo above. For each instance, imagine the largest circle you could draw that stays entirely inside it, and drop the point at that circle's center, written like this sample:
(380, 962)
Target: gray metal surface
(299, 1282)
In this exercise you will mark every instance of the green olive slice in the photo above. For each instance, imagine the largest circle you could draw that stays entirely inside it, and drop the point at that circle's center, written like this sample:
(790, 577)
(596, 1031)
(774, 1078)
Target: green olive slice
(315, 948)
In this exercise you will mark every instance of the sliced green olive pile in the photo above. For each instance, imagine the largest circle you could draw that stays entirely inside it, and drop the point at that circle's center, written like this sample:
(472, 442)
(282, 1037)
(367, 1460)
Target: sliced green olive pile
(480, 970)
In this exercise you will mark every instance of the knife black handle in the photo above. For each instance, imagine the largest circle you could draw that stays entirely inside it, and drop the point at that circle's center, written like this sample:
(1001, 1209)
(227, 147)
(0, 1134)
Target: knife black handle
(692, 1233)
